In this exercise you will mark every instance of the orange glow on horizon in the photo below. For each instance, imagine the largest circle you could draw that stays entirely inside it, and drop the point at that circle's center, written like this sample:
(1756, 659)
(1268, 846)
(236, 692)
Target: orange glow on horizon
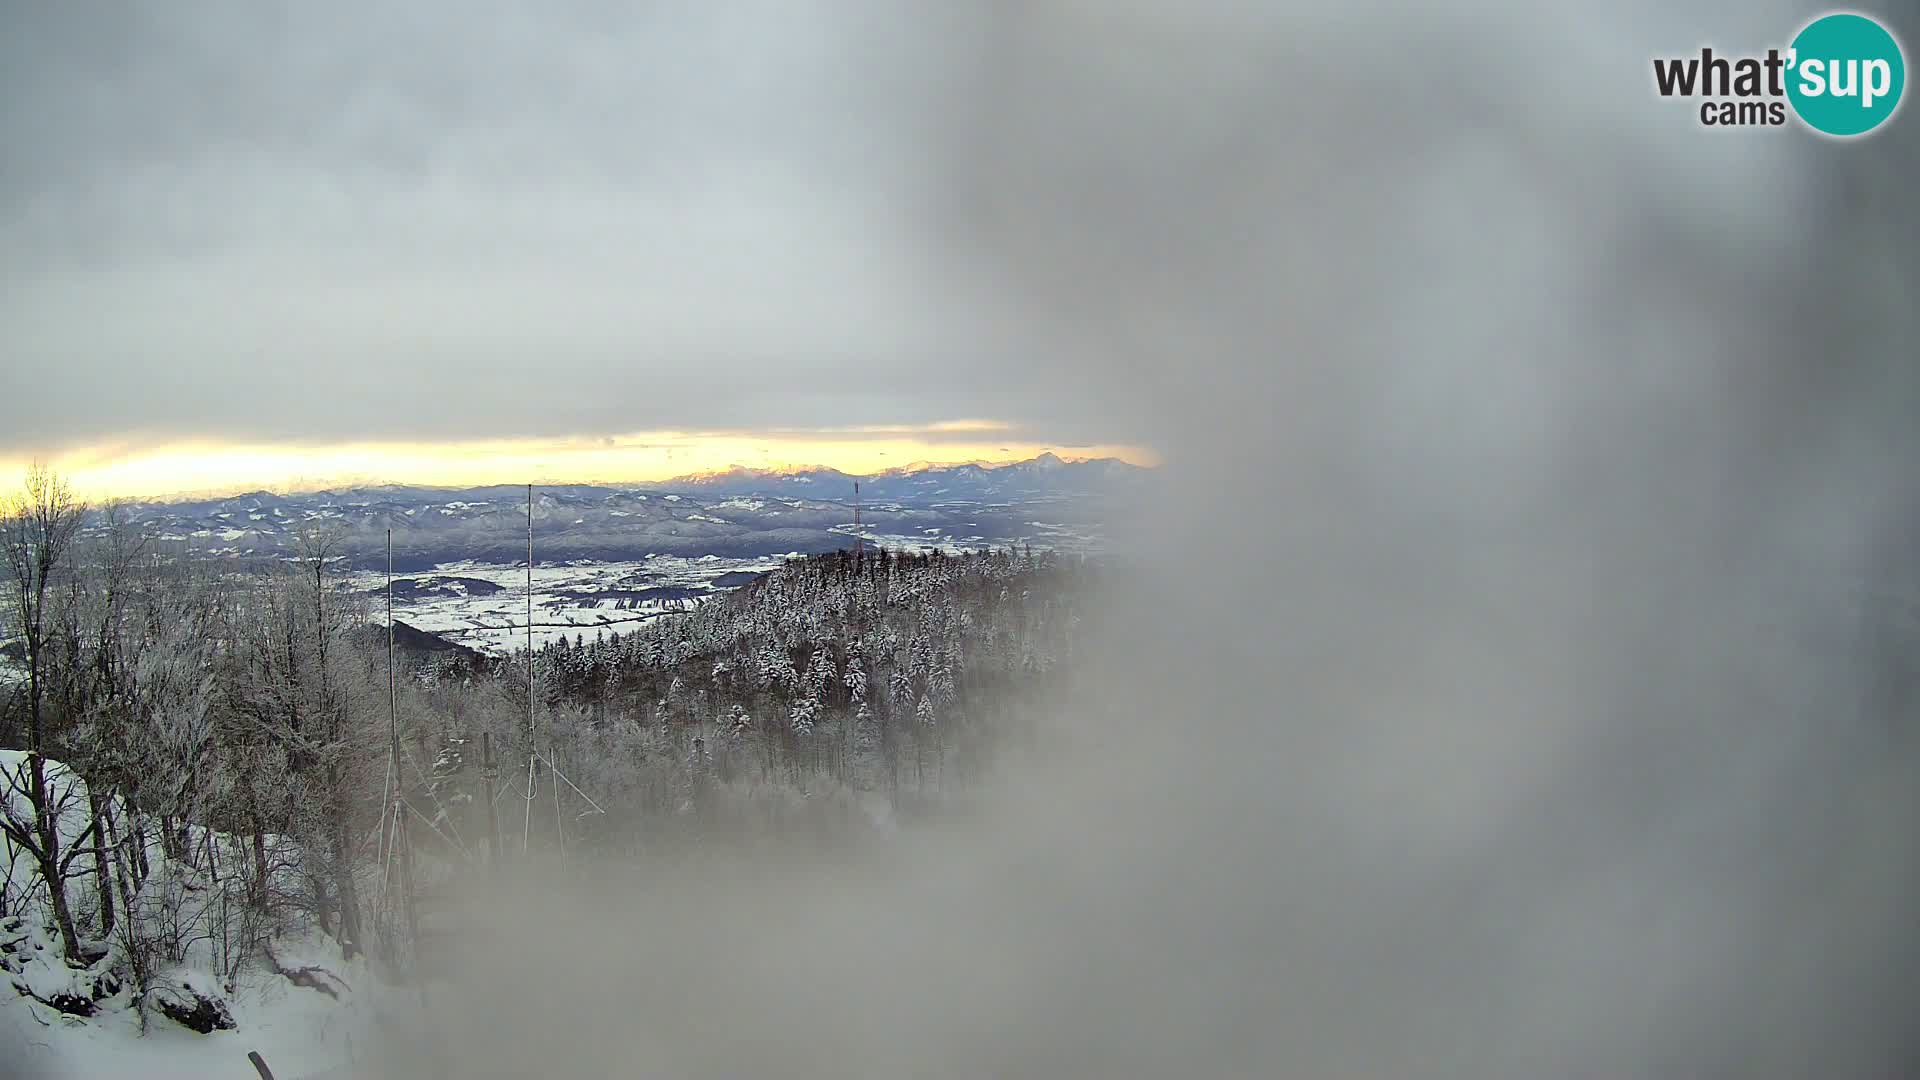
(206, 467)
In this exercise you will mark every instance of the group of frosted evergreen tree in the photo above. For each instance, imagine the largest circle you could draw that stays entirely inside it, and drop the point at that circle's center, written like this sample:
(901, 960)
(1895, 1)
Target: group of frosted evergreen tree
(886, 676)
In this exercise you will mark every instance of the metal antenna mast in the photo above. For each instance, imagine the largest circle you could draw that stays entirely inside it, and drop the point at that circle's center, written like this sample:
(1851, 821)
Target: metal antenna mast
(859, 540)
(398, 808)
(529, 613)
(533, 754)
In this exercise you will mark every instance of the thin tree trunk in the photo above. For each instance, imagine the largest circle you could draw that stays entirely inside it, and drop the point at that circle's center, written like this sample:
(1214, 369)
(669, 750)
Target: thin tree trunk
(47, 825)
(343, 883)
(124, 878)
(138, 823)
(258, 887)
(103, 880)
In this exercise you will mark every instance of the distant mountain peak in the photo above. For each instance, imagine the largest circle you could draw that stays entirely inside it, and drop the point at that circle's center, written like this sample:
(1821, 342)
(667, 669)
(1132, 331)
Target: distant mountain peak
(740, 478)
(737, 471)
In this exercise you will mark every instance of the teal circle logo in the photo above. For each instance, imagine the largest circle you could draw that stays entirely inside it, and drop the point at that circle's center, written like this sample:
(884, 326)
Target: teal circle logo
(1845, 74)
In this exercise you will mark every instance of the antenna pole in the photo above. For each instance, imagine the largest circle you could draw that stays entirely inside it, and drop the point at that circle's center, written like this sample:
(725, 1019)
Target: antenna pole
(529, 616)
(859, 539)
(399, 779)
(533, 757)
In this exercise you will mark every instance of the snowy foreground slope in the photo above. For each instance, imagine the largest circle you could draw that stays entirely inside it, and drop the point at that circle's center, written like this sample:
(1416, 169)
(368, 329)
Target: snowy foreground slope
(302, 1033)
(61, 1018)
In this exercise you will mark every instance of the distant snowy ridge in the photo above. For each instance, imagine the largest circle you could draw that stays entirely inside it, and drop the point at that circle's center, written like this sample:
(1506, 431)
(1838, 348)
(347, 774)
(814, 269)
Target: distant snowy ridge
(741, 513)
(1046, 475)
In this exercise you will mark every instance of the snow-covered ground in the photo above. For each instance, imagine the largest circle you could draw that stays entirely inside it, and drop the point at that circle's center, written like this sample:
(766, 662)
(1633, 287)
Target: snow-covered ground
(484, 605)
(302, 1031)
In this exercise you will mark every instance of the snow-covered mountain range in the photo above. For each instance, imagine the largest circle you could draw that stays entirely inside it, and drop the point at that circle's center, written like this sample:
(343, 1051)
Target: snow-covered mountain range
(922, 484)
(740, 513)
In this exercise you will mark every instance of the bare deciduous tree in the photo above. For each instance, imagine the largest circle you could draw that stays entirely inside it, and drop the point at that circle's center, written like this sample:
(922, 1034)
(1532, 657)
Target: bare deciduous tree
(37, 529)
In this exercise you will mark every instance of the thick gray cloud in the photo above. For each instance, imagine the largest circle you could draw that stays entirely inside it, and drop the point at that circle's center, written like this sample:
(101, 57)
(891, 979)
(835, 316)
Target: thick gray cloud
(299, 221)
(1523, 684)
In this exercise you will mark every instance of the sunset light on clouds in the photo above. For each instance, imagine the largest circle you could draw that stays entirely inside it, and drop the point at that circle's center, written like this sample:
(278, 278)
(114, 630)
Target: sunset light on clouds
(194, 467)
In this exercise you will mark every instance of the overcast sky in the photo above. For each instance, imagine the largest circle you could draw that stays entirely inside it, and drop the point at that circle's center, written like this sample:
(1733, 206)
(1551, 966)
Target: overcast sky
(273, 223)
(347, 231)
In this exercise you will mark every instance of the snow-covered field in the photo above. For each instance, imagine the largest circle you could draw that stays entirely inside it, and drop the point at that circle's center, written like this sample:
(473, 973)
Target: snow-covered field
(484, 606)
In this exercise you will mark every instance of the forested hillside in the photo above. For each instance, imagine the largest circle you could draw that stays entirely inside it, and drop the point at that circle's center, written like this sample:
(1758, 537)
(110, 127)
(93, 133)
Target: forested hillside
(215, 756)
